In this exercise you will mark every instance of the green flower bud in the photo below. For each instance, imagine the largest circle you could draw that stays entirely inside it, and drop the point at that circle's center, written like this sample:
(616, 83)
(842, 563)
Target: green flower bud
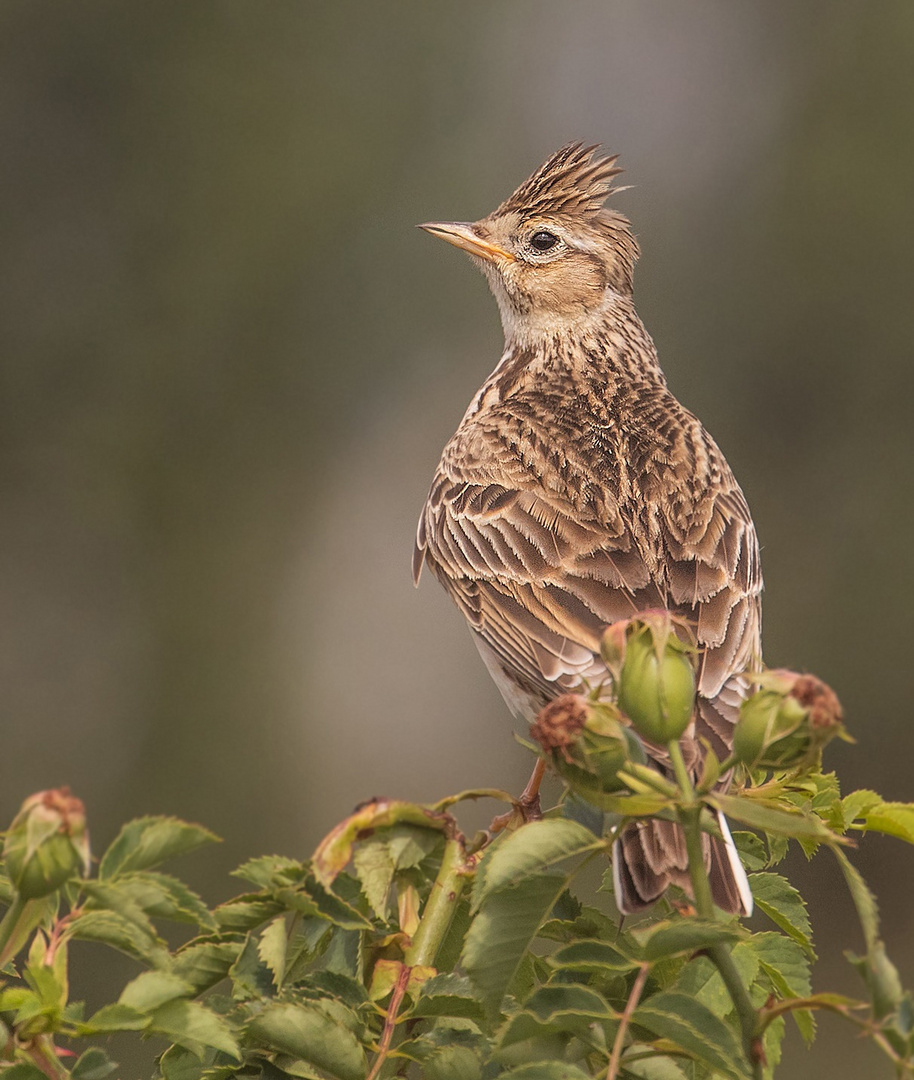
(587, 745)
(47, 843)
(787, 722)
(657, 681)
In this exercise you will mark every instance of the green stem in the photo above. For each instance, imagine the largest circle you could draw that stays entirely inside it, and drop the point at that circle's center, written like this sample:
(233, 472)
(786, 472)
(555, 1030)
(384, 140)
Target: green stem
(719, 954)
(681, 772)
(439, 908)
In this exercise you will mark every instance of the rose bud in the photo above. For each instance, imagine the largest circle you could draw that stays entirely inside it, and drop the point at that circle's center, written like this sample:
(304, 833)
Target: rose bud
(586, 744)
(657, 681)
(47, 843)
(787, 722)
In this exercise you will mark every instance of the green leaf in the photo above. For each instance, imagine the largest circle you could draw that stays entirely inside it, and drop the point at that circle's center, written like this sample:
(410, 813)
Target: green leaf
(693, 1026)
(120, 933)
(751, 848)
(857, 804)
(94, 1064)
(684, 935)
(590, 956)
(111, 1018)
(23, 1071)
(153, 988)
(780, 901)
(500, 934)
(374, 867)
(545, 1070)
(165, 897)
(530, 850)
(893, 819)
(772, 819)
(657, 1067)
(864, 901)
(570, 1009)
(447, 1053)
(786, 964)
(448, 995)
(246, 912)
(194, 1027)
(180, 1064)
(272, 948)
(265, 870)
(701, 980)
(205, 963)
(251, 978)
(148, 841)
(306, 1032)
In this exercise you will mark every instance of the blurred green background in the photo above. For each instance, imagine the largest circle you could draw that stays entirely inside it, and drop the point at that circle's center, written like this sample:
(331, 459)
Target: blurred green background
(229, 363)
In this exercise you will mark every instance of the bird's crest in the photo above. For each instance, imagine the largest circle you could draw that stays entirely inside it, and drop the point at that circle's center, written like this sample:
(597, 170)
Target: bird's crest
(572, 180)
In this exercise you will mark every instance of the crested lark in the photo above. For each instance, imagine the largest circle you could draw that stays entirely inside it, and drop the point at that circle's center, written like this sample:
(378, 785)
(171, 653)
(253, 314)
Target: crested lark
(578, 491)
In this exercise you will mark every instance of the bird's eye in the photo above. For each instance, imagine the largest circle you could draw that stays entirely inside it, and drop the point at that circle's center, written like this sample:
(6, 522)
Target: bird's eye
(543, 241)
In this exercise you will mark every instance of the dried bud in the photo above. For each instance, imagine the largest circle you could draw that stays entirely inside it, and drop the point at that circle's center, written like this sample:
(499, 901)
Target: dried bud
(656, 683)
(47, 843)
(587, 744)
(787, 722)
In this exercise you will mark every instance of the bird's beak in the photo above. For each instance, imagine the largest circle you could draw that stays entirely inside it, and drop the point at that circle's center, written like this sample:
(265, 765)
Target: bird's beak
(463, 234)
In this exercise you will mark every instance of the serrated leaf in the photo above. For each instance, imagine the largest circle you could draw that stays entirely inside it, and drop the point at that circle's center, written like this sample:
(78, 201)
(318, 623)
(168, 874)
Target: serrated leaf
(246, 913)
(701, 979)
(111, 1018)
(306, 1032)
(449, 995)
(751, 848)
(500, 934)
(787, 966)
(531, 850)
(658, 1067)
(772, 819)
(696, 1029)
(545, 1070)
(205, 963)
(864, 900)
(165, 897)
(94, 1064)
(153, 988)
(569, 1009)
(265, 869)
(590, 955)
(374, 867)
(119, 933)
(251, 978)
(23, 1071)
(684, 935)
(893, 819)
(272, 948)
(858, 803)
(180, 1064)
(780, 901)
(149, 841)
(194, 1027)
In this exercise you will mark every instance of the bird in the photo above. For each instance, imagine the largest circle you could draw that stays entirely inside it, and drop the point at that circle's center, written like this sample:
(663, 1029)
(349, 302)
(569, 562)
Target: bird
(578, 491)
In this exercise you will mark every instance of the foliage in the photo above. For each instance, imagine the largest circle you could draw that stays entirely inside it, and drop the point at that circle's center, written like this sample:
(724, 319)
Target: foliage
(403, 949)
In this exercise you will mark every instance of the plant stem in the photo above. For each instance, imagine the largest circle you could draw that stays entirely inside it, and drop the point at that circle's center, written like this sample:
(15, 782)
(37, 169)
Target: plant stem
(439, 908)
(719, 954)
(633, 998)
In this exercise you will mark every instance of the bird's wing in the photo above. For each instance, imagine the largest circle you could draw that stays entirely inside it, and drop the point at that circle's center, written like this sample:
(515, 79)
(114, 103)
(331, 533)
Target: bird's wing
(539, 580)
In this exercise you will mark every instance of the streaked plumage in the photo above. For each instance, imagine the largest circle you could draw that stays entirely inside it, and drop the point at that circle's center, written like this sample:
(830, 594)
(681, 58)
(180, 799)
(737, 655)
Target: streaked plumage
(577, 490)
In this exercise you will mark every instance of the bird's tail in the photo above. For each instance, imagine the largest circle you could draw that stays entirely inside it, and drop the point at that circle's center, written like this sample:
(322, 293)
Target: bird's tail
(651, 855)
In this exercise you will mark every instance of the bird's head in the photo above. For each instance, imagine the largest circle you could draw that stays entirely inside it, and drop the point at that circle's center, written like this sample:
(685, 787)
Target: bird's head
(554, 255)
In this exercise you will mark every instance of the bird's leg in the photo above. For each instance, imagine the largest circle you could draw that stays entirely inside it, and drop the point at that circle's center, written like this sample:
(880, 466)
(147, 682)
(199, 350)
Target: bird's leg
(527, 805)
